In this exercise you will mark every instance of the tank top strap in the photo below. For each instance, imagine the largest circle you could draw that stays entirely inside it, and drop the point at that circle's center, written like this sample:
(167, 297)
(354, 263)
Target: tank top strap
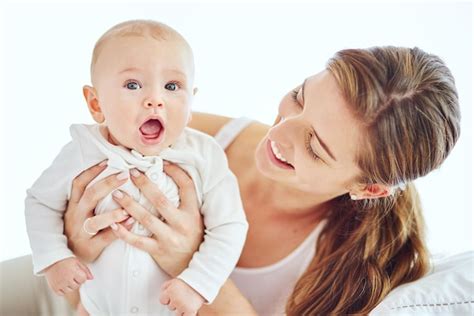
(226, 135)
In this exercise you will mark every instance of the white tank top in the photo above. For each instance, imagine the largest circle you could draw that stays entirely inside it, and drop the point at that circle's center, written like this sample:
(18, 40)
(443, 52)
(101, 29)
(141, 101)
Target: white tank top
(268, 288)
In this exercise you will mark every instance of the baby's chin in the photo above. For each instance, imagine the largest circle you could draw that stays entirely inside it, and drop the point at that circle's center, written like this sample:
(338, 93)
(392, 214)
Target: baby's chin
(147, 151)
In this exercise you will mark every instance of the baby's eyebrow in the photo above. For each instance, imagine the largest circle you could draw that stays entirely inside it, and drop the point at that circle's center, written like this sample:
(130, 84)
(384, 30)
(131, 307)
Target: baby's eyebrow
(130, 69)
(177, 71)
(135, 69)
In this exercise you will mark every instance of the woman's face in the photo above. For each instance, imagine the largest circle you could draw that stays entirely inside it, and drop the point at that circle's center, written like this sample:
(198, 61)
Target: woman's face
(317, 136)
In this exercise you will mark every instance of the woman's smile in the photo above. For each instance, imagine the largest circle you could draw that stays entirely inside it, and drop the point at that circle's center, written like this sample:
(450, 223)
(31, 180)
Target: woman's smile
(275, 156)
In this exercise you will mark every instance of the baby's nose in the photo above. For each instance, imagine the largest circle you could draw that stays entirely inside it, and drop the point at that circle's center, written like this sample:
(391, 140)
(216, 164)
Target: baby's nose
(153, 102)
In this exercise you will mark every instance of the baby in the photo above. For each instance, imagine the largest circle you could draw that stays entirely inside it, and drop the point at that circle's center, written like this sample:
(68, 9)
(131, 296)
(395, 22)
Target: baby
(142, 76)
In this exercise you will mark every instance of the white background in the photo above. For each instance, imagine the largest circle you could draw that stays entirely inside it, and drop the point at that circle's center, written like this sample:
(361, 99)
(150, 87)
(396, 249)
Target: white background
(247, 57)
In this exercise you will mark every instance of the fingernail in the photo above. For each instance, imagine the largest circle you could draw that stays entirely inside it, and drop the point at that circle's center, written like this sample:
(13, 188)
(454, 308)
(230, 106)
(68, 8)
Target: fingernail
(129, 221)
(118, 194)
(166, 162)
(125, 213)
(114, 226)
(103, 163)
(135, 173)
(122, 175)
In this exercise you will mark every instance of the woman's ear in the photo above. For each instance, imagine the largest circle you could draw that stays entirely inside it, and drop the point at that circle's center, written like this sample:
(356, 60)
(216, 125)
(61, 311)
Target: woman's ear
(372, 191)
(90, 94)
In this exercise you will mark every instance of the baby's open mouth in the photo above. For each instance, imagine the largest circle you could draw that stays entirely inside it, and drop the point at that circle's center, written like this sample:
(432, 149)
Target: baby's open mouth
(151, 129)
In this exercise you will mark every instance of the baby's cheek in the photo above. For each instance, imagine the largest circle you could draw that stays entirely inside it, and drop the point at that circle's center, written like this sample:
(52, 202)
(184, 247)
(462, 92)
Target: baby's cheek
(123, 134)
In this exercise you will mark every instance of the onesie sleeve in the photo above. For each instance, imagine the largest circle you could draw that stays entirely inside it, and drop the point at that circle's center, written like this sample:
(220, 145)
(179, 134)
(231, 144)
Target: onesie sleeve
(225, 226)
(45, 204)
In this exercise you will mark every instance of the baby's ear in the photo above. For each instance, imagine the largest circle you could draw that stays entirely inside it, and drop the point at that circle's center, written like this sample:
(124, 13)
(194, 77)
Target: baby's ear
(92, 100)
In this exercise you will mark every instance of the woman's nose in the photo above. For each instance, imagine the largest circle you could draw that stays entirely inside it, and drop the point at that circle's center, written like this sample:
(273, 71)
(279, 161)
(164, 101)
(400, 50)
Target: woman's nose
(284, 132)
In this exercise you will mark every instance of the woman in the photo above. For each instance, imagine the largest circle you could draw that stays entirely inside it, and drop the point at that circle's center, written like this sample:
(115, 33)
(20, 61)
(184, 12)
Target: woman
(334, 221)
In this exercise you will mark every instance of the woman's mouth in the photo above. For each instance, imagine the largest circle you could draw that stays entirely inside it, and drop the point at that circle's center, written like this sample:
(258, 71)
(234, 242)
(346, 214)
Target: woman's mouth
(276, 157)
(151, 132)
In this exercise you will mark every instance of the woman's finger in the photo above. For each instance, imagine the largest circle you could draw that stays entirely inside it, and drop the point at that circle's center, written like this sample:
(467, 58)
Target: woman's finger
(80, 183)
(106, 236)
(143, 243)
(101, 221)
(154, 195)
(187, 191)
(148, 220)
(96, 192)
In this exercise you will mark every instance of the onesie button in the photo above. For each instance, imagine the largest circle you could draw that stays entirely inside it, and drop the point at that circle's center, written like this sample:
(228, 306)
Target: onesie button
(136, 273)
(134, 309)
(154, 176)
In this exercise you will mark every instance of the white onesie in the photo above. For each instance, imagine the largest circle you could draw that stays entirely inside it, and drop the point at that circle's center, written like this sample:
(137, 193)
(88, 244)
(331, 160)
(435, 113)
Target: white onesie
(126, 279)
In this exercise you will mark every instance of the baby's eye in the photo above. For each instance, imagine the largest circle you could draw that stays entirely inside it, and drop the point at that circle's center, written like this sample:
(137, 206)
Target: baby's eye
(132, 85)
(172, 86)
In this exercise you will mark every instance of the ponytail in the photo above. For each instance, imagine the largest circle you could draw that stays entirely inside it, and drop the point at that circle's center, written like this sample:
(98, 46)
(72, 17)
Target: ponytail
(367, 248)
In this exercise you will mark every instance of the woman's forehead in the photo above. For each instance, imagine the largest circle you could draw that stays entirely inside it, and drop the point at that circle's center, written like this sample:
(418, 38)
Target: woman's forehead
(331, 116)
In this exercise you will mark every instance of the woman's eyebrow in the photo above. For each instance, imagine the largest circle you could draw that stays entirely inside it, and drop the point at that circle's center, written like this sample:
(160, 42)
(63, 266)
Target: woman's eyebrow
(321, 142)
(323, 145)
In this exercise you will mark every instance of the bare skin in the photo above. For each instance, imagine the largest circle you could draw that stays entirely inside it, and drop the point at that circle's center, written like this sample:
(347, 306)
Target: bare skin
(264, 222)
(181, 235)
(290, 201)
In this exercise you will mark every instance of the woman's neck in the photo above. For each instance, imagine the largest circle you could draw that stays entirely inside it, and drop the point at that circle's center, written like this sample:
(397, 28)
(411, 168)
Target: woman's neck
(281, 201)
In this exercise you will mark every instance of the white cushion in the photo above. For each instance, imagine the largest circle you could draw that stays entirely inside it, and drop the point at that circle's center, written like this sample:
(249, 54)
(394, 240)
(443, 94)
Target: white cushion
(447, 290)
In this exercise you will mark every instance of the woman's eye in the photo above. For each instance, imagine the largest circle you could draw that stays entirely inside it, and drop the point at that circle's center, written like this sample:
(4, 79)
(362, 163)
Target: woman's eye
(133, 85)
(172, 86)
(294, 96)
(310, 150)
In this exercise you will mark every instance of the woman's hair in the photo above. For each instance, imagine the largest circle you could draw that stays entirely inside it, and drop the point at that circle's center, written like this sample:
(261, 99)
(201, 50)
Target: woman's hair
(407, 102)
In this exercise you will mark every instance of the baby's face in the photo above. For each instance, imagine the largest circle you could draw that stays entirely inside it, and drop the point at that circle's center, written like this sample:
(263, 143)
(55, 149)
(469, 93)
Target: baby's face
(144, 89)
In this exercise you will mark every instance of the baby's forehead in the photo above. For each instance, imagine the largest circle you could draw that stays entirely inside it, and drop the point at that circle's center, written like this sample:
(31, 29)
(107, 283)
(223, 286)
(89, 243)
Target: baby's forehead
(134, 51)
(126, 41)
(151, 30)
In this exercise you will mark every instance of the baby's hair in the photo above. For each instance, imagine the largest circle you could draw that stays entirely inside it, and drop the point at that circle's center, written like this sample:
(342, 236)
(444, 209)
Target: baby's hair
(154, 29)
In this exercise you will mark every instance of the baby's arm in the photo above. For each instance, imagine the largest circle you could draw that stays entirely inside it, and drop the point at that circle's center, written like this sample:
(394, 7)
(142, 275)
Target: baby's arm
(225, 227)
(45, 204)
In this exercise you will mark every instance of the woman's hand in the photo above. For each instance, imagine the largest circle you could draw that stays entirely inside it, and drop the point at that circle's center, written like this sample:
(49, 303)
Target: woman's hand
(175, 239)
(88, 246)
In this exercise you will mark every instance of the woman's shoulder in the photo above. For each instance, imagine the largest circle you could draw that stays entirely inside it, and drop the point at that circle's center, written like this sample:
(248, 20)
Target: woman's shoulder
(211, 124)
(208, 123)
(239, 140)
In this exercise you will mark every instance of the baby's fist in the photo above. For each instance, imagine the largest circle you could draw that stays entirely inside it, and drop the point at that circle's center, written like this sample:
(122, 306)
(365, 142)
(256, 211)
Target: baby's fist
(67, 275)
(180, 297)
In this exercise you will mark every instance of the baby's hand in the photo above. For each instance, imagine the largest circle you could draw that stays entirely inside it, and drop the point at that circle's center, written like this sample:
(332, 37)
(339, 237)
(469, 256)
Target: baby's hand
(67, 275)
(180, 297)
